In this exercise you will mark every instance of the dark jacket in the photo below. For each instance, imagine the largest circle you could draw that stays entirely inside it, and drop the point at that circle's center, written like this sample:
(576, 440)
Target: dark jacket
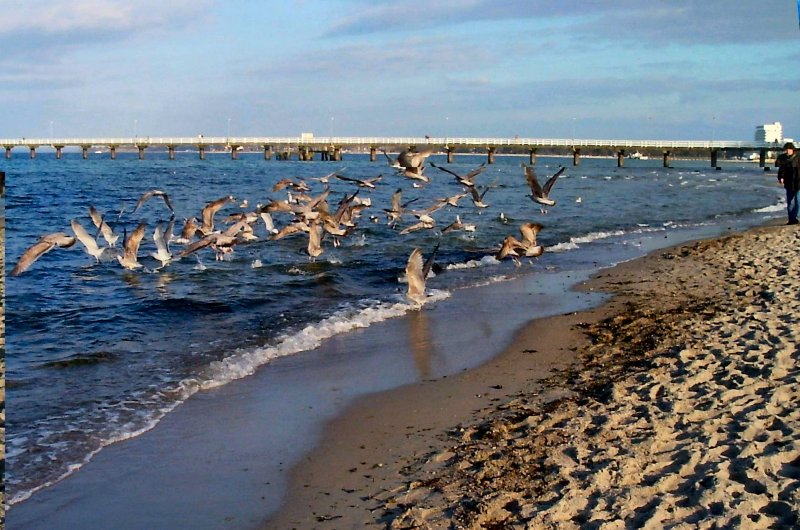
(789, 170)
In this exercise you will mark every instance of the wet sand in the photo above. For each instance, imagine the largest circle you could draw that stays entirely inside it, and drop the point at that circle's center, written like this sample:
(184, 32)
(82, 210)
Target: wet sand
(670, 405)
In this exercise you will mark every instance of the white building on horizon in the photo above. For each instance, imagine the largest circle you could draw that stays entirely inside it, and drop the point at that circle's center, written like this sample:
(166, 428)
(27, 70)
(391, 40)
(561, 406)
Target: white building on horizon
(769, 132)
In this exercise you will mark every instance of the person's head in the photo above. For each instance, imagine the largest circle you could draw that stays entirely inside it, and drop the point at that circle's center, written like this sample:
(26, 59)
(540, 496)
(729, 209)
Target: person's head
(788, 147)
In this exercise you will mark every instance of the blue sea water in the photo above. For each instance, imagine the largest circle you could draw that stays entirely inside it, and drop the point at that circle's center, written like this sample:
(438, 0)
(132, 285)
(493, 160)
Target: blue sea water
(96, 353)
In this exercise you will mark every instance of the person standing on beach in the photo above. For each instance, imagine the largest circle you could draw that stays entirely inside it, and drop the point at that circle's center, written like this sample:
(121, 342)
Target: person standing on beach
(789, 175)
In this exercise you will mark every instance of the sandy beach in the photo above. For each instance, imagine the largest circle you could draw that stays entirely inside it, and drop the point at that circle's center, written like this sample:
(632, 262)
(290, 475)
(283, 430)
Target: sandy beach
(671, 406)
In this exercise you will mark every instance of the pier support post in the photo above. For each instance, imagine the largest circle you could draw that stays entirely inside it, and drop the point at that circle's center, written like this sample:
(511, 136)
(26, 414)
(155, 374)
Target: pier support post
(267, 152)
(450, 154)
(234, 152)
(532, 157)
(621, 158)
(490, 154)
(85, 151)
(58, 151)
(373, 153)
(201, 151)
(8, 152)
(576, 156)
(113, 150)
(171, 151)
(33, 151)
(326, 155)
(337, 154)
(713, 158)
(666, 158)
(141, 151)
(762, 157)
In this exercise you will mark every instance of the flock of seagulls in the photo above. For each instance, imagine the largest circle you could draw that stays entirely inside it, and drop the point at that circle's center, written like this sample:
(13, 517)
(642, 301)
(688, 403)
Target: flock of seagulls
(302, 212)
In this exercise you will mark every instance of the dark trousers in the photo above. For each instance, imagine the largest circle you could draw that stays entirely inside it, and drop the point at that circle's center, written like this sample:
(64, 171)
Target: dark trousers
(792, 205)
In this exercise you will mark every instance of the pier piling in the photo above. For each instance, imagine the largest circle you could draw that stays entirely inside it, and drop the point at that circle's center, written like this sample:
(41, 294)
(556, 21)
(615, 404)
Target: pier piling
(171, 151)
(490, 154)
(33, 151)
(8, 152)
(621, 158)
(58, 151)
(267, 152)
(666, 158)
(85, 151)
(532, 157)
(576, 156)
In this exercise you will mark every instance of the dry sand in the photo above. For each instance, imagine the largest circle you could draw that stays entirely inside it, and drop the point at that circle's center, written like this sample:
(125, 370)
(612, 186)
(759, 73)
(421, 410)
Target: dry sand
(672, 406)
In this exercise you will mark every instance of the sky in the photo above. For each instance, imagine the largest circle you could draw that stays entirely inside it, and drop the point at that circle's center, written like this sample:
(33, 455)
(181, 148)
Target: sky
(591, 69)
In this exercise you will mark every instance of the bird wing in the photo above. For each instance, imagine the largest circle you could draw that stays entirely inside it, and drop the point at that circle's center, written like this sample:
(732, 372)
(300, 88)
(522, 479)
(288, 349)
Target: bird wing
(446, 170)
(133, 242)
(533, 182)
(211, 208)
(315, 240)
(552, 180)
(396, 196)
(197, 245)
(475, 172)
(160, 240)
(97, 219)
(88, 241)
(167, 201)
(415, 276)
(426, 268)
(144, 198)
(529, 232)
(44, 245)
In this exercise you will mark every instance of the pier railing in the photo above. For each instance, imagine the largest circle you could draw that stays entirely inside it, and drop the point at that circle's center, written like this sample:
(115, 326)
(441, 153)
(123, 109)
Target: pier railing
(372, 141)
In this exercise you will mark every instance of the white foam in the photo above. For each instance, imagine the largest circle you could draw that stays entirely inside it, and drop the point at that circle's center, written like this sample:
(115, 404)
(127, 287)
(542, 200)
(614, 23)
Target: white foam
(244, 363)
(773, 208)
(472, 264)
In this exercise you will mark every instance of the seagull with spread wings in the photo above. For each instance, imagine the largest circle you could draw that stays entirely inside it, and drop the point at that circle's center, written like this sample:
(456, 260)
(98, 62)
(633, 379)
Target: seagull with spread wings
(541, 194)
(154, 193)
(45, 244)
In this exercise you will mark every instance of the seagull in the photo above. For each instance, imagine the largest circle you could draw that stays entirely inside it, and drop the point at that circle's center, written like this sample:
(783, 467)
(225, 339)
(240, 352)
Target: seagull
(88, 241)
(209, 210)
(45, 244)
(190, 228)
(396, 212)
(411, 159)
(314, 247)
(458, 225)
(300, 185)
(477, 197)
(416, 278)
(468, 180)
(541, 194)
(162, 252)
(529, 245)
(154, 193)
(508, 248)
(325, 179)
(130, 258)
(362, 183)
(103, 227)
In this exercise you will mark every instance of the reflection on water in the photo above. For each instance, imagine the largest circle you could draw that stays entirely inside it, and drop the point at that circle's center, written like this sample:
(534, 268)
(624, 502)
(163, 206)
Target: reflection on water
(419, 336)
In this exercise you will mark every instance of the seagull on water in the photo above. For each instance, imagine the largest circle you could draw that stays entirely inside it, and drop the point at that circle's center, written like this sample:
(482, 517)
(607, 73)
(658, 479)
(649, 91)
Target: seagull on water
(45, 244)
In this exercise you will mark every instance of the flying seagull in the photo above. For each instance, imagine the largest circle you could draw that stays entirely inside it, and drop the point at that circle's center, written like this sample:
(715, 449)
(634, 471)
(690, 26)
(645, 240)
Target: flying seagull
(154, 193)
(45, 244)
(416, 278)
(130, 257)
(541, 194)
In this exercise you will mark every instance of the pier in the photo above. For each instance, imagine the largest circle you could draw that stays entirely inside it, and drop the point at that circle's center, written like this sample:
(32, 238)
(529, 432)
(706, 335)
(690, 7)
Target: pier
(307, 146)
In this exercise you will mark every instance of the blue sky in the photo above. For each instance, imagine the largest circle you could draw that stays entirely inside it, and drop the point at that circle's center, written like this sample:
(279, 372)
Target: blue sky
(679, 69)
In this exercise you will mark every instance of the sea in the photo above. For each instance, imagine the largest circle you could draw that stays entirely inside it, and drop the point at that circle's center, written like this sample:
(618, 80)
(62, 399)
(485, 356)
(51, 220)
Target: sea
(98, 354)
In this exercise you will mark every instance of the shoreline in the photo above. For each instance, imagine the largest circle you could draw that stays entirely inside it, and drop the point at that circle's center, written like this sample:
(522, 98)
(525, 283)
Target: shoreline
(414, 456)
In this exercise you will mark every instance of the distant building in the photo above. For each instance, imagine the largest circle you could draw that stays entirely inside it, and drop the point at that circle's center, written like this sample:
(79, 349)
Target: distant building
(769, 132)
